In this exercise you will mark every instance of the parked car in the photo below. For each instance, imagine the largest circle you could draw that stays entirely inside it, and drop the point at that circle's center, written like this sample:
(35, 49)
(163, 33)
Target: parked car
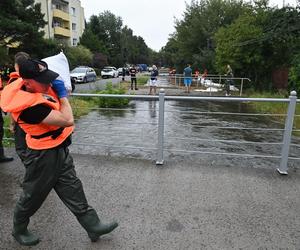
(83, 74)
(109, 72)
(120, 71)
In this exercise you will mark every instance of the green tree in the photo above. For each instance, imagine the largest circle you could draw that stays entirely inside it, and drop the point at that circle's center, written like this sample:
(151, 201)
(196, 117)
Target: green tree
(294, 75)
(79, 56)
(282, 35)
(168, 52)
(92, 41)
(259, 43)
(3, 55)
(193, 39)
(20, 21)
(235, 46)
(106, 35)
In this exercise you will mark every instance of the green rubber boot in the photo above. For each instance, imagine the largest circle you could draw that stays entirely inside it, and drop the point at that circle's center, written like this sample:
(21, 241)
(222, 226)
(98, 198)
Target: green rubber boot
(23, 236)
(92, 224)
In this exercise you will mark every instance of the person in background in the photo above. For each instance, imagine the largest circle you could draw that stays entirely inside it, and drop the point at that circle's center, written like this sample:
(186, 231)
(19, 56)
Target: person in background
(197, 78)
(132, 72)
(19, 134)
(73, 84)
(40, 106)
(153, 80)
(187, 73)
(3, 158)
(123, 74)
(197, 73)
(228, 82)
(204, 75)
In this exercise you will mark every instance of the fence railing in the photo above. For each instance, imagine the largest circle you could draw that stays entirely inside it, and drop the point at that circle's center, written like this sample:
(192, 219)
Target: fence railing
(210, 81)
(160, 124)
(287, 131)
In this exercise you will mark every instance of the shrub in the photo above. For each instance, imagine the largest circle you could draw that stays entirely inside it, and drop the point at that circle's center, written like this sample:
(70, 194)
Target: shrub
(80, 106)
(142, 80)
(79, 55)
(111, 102)
(294, 75)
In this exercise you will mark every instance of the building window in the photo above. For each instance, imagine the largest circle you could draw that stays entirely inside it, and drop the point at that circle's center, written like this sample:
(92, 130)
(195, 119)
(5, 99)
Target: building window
(56, 23)
(73, 11)
(73, 26)
(74, 42)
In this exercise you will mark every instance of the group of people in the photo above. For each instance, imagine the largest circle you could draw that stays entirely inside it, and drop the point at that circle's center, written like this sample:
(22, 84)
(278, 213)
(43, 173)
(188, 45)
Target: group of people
(132, 73)
(37, 101)
(187, 74)
(188, 77)
(133, 78)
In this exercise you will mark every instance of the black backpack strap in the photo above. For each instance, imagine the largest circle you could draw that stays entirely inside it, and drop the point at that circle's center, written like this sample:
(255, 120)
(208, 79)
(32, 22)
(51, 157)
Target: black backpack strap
(54, 134)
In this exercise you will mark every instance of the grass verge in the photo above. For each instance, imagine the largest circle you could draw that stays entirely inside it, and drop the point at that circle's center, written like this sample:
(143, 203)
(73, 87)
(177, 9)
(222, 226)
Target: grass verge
(274, 107)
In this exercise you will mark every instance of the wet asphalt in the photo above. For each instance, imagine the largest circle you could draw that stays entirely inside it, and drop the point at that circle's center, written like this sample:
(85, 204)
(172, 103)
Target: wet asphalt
(174, 206)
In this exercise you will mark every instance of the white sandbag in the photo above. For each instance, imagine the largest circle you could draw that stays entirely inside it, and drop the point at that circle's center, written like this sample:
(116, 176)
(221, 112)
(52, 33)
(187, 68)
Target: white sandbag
(59, 64)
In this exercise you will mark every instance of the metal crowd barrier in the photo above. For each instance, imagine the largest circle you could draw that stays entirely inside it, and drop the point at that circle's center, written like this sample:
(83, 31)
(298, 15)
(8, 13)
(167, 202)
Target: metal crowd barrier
(287, 131)
(162, 98)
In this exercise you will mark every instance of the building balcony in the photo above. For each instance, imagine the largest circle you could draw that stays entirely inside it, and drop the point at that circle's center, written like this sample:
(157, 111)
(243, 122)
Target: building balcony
(59, 31)
(61, 14)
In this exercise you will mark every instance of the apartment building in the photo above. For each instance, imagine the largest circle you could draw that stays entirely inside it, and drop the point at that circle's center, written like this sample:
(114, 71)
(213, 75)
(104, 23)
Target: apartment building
(65, 20)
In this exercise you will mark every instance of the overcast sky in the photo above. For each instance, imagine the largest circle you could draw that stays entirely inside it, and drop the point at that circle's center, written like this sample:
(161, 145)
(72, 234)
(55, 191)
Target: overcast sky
(153, 20)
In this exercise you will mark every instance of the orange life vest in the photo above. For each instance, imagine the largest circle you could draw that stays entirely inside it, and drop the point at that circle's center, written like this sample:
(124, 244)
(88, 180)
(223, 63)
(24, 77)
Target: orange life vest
(13, 76)
(38, 136)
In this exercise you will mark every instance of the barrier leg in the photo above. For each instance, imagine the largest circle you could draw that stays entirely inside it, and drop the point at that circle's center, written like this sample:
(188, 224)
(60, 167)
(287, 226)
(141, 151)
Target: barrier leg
(283, 169)
(160, 141)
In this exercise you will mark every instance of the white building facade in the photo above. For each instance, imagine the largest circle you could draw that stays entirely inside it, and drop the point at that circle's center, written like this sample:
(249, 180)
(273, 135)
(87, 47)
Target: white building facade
(65, 20)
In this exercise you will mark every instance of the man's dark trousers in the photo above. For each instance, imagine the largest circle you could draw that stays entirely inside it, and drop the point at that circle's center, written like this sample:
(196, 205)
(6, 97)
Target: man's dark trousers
(133, 80)
(20, 142)
(47, 169)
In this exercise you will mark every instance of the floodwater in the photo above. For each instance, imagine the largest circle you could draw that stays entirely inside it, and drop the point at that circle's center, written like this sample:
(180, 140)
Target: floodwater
(193, 132)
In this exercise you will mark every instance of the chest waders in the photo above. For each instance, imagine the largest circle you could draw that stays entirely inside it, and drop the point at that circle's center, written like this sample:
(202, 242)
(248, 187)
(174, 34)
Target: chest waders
(53, 169)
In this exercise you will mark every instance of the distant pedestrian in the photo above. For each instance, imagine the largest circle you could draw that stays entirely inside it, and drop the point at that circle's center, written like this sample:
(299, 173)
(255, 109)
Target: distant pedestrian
(187, 73)
(229, 74)
(153, 80)
(132, 72)
(123, 74)
(203, 76)
(196, 75)
(3, 158)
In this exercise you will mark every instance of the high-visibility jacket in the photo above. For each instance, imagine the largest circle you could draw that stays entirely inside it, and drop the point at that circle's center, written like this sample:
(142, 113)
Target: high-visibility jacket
(38, 136)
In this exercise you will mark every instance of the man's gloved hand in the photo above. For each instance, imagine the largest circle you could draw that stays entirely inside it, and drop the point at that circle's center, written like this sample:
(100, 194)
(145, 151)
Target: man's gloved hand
(59, 88)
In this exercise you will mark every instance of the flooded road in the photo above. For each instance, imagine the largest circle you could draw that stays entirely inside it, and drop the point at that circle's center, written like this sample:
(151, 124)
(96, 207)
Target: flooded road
(193, 132)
